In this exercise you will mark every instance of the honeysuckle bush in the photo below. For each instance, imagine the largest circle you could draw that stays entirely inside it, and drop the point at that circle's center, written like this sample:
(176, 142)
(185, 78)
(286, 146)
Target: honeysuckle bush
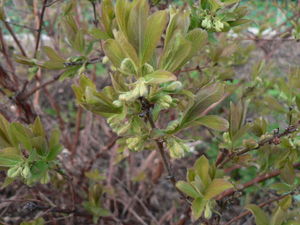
(169, 68)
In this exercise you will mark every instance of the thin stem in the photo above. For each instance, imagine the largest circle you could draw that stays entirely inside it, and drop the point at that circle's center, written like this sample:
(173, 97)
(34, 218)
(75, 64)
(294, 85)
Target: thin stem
(161, 150)
(14, 36)
(290, 129)
(256, 180)
(260, 205)
(39, 30)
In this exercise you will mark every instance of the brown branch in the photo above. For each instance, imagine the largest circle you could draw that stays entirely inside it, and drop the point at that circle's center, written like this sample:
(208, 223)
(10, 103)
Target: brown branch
(260, 205)
(272, 140)
(14, 36)
(39, 30)
(146, 107)
(77, 128)
(55, 78)
(256, 180)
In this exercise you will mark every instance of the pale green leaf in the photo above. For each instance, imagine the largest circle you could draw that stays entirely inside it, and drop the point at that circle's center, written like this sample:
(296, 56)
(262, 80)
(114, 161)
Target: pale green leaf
(52, 55)
(213, 122)
(10, 157)
(137, 23)
(197, 208)
(155, 26)
(159, 76)
(187, 189)
(99, 34)
(114, 52)
(261, 217)
(216, 187)
(201, 167)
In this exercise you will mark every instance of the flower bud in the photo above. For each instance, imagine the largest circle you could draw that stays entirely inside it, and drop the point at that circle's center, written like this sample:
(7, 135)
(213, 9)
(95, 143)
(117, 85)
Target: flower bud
(14, 171)
(174, 86)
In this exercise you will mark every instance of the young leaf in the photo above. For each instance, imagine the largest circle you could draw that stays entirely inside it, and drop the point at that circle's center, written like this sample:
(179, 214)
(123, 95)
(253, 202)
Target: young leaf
(197, 208)
(37, 128)
(99, 34)
(54, 145)
(137, 23)
(216, 187)
(122, 11)
(205, 97)
(155, 26)
(114, 52)
(159, 76)
(201, 167)
(213, 122)
(187, 189)
(52, 55)
(10, 157)
(261, 217)
(79, 42)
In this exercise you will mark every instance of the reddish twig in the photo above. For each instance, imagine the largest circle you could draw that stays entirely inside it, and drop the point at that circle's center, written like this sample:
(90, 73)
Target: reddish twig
(39, 30)
(256, 180)
(14, 36)
(260, 205)
(272, 140)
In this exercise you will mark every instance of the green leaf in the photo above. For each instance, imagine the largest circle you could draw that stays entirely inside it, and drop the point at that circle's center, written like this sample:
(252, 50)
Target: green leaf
(126, 47)
(122, 11)
(159, 76)
(10, 157)
(53, 65)
(261, 217)
(201, 167)
(197, 208)
(137, 23)
(198, 39)
(107, 16)
(287, 173)
(175, 55)
(5, 140)
(187, 189)
(213, 122)
(114, 52)
(281, 187)
(155, 26)
(179, 23)
(79, 43)
(216, 187)
(52, 55)
(37, 127)
(24, 60)
(21, 135)
(204, 98)
(99, 34)
(54, 145)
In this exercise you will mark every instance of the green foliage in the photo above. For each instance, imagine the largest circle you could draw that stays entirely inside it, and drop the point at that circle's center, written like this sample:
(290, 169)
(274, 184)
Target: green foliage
(203, 184)
(26, 152)
(169, 68)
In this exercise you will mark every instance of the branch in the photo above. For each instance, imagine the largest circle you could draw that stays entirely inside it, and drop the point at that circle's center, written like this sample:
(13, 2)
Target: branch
(272, 140)
(260, 205)
(146, 107)
(39, 30)
(14, 36)
(256, 180)
(55, 78)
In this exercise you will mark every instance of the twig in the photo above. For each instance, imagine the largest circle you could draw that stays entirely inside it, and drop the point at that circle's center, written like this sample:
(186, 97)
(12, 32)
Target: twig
(256, 180)
(260, 205)
(77, 128)
(272, 140)
(146, 107)
(14, 36)
(55, 78)
(20, 25)
(39, 30)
